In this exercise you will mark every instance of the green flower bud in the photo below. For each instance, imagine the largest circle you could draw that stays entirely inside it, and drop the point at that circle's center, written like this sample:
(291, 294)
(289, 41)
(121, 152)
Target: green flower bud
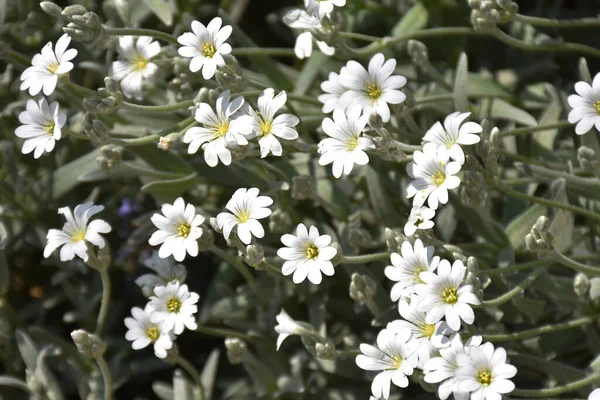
(581, 284)
(362, 288)
(325, 351)
(255, 256)
(51, 9)
(72, 11)
(237, 350)
(89, 345)
(110, 158)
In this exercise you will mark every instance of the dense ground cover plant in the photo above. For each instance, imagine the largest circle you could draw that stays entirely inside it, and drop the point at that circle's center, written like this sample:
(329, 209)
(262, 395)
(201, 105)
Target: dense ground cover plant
(370, 203)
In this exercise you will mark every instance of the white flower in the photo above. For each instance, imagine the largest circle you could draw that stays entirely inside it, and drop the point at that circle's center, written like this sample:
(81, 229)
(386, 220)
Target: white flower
(451, 135)
(178, 230)
(286, 326)
(307, 254)
(142, 332)
(136, 65)
(76, 231)
(268, 127)
(323, 7)
(246, 207)
(429, 337)
(374, 88)
(395, 355)
(443, 368)
(41, 127)
(174, 306)
(595, 395)
(345, 147)
(444, 295)
(222, 130)
(47, 66)
(300, 19)
(420, 218)
(586, 106)
(433, 175)
(484, 373)
(405, 268)
(333, 91)
(206, 46)
(166, 271)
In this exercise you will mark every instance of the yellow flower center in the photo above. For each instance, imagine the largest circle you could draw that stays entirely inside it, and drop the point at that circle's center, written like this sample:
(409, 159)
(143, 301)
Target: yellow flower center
(373, 91)
(438, 178)
(52, 67)
(78, 236)
(208, 50)
(139, 63)
(184, 230)
(352, 143)
(222, 128)
(450, 295)
(485, 378)
(173, 305)
(312, 252)
(265, 127)
(418, 271)
(427, 330)
(397, 361)
(596, 106)
(153, 333)
(243, 216)
(49, 127)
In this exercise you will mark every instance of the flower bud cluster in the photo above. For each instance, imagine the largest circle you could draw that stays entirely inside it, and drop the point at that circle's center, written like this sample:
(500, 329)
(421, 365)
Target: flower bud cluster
(486, 14)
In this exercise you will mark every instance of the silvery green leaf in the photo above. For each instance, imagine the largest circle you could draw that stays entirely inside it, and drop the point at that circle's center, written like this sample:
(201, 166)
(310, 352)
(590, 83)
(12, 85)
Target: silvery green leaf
(503, 110)
(483, 85)
(65, 177)
(27, 348)
(10, 381)
(584, 71)
(534, 309)
(163, 391)
(591, 141)
(521, 225)
(583, 186)
(461, 101)
(595, 288)
(163, 9)
(563, 221)
(414, 19)
(379, 197)
(446, 222)
(311, 68)
(171, 188)
(123, 8)
(183, 389)
(209, 373)
(551, 115)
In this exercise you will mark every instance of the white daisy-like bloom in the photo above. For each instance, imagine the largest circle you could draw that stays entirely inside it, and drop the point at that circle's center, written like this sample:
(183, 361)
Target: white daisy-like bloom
(444, 295)
(323, 7)
(452, 134)
(595, 395)
(246, 207)
(333, 91)
(420, 218)
(221, 131)
(47, 66)
(395, 356)
(135, 65)
(166, 271)
(345, 146)
(76, 231)
(206, 46)
(372, 89)
(174, 306)
(141, 331)
(433, 176)
(484, 373)
(405, 268)
(267, 127)
(585, 106)
(178, 230)
(286, 326)
(307, 254)
(429, 337)
(41, 127)
(301, 19)
(442, 369)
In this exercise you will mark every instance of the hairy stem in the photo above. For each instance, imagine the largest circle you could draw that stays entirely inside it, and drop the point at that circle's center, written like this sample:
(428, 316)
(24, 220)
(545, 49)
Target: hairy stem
(557, 23)
(569, 387)
(574, 265)
(240, 266)
(152, 109)
(514, 292)
(106, 293)
(141, 32)
(538, 331)
(106, 377)
(365, 258)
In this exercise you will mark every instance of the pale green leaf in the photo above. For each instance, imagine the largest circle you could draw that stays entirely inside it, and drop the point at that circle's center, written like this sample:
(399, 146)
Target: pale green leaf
(503, 110)
(65, 177)
(414, 19)
(163, 9)
(563, 221)
(461, 101)
(169, 189)
(521, 225)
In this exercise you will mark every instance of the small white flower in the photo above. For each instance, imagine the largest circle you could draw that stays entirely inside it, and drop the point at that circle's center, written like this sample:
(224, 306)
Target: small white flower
(595, 395)
(206, 46)
(286, 326)
(222, 130)
(166, 271)
(323, 7)
(420, 218)
(433, 175)
(178, 230)
(174, 306)
(246, 207)
(300, 19)
(451, 135)
(374, 88)
(267, 127)
(586, 106)
(41, 127)
(136, 65)
(307, 254)
(47, 66)
(484, 373)
(76, 231)
(395, 355)
(405, 268)
(443, 368)
(445, 295)
(345, 146)
(142, 332)
(333, 91)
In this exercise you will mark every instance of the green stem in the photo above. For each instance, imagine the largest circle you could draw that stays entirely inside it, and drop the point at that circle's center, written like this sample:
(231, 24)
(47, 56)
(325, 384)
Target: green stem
(569, 387)
(19, 58)
(151, 109)
(106, 293)
(557, 23)
(106, 376)
(222, 332)
(240, 266)
(263, 51)
(513, 268)
(359, 36)
(574, 265)
(141, 32)
(514, 292)
(365, 258)
(524, 131)
(130, 167)
(174, 132)
(82, 89)
(191, 370)
(538, 331)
